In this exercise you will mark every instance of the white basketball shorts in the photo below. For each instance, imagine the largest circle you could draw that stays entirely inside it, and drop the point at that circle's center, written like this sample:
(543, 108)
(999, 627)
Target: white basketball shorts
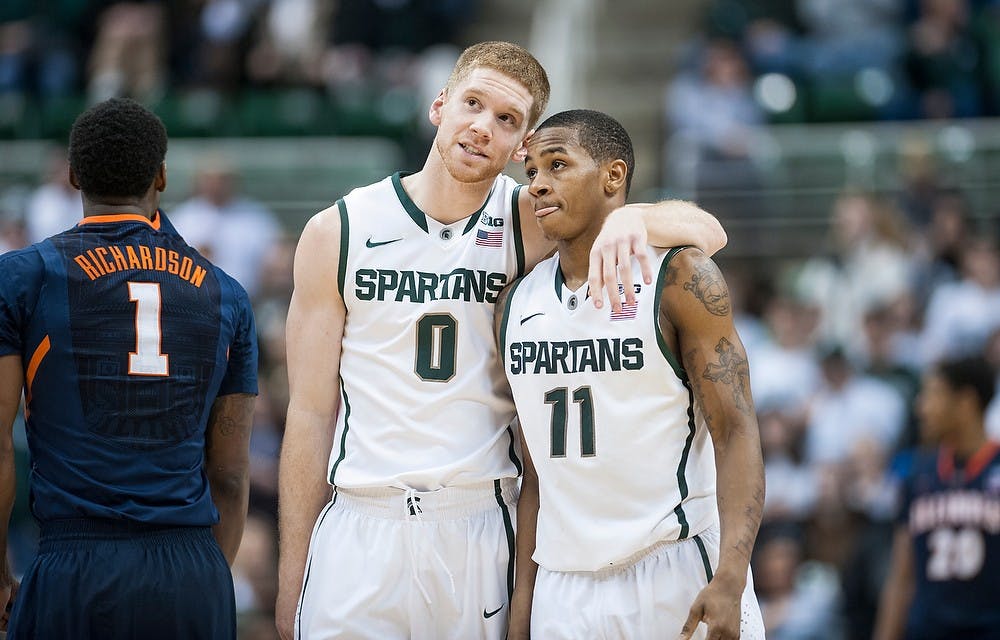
(642, 600)
(387, 563)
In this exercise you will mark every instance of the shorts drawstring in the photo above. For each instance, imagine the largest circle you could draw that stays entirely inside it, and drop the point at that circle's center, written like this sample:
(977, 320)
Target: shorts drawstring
(415, 513)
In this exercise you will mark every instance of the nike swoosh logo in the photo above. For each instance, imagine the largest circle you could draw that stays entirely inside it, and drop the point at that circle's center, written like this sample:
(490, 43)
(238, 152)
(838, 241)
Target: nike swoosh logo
(372, 245)
(525, 319)
(490, 614)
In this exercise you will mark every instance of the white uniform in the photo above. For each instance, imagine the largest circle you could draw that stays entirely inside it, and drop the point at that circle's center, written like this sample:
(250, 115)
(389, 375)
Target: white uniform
(424, 461)
(626, 473)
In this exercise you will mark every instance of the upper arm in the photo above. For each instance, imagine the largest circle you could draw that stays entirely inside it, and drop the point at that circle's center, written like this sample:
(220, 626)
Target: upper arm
(536, 246)
(241, 368)
(695, 301)
(11, 383)
(227, 440)
(316, 316)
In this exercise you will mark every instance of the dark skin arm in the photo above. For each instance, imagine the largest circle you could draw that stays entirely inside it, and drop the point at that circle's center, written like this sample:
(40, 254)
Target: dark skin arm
(525, 568)
(227, 465)
(527, 519)
(697, 316)
(11, 382)
(897, 592)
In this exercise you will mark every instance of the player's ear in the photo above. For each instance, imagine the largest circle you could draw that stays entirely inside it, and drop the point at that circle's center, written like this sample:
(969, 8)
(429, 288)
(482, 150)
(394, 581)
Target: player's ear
(434, 113)
(522, 152)
(617, 171)
(160, 181)
(73, 180)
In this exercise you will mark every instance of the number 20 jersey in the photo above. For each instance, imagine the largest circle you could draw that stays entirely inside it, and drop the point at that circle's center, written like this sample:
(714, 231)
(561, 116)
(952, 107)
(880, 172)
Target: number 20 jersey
(608, 418)
(953, 516)
(423, 400)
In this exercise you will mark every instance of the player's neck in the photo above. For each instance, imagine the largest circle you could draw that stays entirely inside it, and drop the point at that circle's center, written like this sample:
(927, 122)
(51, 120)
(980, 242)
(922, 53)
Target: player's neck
(966, 442)
(107, 209)
(574, 259)
(442, 197)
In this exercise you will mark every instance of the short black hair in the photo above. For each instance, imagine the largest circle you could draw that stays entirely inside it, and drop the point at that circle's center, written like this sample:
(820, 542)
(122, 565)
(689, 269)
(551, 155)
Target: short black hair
(972, 372)
(603, 137)
(116, 147)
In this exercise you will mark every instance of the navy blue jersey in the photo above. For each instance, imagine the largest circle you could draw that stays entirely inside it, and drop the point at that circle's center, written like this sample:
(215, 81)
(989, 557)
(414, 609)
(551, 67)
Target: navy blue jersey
(953, 516)
(128, 336)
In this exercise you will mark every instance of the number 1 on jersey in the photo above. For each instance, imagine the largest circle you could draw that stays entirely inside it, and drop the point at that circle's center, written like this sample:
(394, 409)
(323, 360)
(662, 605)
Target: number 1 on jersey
(147, 360)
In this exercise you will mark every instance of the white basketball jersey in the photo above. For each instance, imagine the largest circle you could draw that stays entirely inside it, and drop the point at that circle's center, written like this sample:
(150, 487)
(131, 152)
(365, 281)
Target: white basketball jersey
(607, 414)
(423, 400)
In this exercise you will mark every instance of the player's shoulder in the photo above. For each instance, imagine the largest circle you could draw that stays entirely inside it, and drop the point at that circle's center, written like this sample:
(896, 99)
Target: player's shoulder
(386, 188)
(22, 263)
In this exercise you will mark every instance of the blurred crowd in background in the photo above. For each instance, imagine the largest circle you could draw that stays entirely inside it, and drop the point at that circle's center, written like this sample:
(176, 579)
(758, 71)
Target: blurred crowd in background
(837, 341)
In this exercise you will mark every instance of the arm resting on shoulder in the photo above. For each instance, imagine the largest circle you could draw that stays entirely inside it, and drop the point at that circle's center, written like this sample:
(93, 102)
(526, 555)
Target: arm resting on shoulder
(227, 465)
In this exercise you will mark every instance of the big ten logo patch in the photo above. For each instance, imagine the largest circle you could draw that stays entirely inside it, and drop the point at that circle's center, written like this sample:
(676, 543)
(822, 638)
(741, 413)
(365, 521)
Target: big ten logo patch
(490, 221)
(621, 289)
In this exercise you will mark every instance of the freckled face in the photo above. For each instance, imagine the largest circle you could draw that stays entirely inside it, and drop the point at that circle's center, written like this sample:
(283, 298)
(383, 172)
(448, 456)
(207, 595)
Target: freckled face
(481, 122)
(566, 182)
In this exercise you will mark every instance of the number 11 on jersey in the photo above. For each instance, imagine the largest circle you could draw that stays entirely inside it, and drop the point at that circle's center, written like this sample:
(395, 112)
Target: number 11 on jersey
(147, 360)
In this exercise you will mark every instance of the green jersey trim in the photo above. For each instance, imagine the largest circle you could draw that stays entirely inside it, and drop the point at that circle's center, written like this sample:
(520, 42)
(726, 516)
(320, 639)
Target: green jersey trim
(343, 436)
(516, 227)
(509, 530)
(559, 281)
(419, 217)
(670, 356)
(505, 318)
(704, 557)
(345, 232)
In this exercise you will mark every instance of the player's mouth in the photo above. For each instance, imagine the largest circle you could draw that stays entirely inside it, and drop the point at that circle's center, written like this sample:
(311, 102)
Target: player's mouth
(542, 211)
(472, 151)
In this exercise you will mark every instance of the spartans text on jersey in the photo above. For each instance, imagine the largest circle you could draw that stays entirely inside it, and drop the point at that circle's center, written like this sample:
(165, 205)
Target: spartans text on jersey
(421, 286)
(575, 356)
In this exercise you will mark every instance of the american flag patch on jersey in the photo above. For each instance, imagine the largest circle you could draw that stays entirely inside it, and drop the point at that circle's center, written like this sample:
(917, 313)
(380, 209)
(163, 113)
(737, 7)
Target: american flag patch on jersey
(627, 313)
(489, 238)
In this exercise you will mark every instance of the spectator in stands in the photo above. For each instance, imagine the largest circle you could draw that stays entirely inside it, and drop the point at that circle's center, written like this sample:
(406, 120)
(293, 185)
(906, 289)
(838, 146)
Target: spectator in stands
(129, 53)
(943, 61)
(848, 409)
(961, 315)
(54, 206)
(798, 598)
(785, 372)
(866, 266)
(232, 231)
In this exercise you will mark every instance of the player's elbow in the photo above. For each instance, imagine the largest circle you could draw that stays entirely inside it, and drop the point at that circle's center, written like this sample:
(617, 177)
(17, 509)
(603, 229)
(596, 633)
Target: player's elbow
(230, 481)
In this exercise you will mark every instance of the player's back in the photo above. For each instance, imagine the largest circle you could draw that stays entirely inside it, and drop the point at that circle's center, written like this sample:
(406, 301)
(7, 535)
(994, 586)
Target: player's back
(953, 516)
(128, 336)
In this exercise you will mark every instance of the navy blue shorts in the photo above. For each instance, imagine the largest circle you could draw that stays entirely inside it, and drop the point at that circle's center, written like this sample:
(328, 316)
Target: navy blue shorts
(98, 579)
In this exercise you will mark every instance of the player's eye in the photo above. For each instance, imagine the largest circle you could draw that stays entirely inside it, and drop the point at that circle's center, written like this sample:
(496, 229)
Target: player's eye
(531, 173)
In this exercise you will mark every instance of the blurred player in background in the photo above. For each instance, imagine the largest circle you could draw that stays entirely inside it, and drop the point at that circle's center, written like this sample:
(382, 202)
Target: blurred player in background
(138, 361)
(625, 415)
(396, 396)
(944, 580)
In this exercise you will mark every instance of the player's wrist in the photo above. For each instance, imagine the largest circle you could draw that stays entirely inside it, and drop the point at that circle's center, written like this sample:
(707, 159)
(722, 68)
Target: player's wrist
(730, 579)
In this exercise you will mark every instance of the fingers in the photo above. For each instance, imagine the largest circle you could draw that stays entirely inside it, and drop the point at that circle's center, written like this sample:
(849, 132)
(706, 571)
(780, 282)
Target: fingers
(595, 278)
(694, 617)
(625, 272)
(639, 250)
(609, 256)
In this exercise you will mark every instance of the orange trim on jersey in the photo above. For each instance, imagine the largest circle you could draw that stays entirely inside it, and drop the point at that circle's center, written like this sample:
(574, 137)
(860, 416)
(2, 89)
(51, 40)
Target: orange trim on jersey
(982, 457)
(123, 217)
(36, 359)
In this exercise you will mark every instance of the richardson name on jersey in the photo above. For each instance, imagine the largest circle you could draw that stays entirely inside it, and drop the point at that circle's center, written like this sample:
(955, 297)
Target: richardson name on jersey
(955, 509)
(576, 356)
(421, 286)
(101, 261)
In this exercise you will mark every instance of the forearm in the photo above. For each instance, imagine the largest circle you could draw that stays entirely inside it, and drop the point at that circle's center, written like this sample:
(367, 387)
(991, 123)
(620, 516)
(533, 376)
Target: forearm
(231, 494)
(671, 223)
(527, 520)
(897, 592)
(302, 493)
(740, 490)
(11, 383)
